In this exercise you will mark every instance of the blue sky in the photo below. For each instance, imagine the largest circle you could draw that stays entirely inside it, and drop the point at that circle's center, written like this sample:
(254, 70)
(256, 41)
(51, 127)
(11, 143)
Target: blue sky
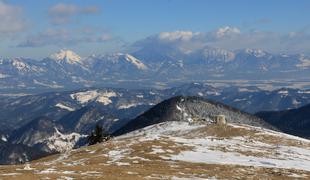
(35, 28)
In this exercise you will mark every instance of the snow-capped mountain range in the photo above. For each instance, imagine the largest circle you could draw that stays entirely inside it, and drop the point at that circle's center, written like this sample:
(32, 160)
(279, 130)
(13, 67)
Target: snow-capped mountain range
(67, 70)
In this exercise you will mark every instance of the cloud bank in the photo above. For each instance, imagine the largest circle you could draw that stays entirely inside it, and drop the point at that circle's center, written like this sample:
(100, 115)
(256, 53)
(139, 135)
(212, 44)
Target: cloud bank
(229, 38)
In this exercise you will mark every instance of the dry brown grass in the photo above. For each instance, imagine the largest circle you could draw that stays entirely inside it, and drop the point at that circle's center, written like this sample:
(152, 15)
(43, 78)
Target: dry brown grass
(145, 163)
(220, 131)
(166, 170)
(228, 131)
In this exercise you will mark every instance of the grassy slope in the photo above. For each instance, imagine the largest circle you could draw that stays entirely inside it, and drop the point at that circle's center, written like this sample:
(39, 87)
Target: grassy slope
(150, 155)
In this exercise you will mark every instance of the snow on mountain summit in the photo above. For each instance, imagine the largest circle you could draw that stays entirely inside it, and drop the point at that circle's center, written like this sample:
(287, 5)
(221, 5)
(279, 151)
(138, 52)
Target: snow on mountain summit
(256, 52)
(66, 55)
(218, 54)
(135, 61)
(122, 58)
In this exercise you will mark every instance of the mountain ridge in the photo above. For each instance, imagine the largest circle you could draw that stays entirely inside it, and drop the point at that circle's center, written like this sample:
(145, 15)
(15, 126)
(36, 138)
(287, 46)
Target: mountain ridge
(66, 69)
(189, 108)
(293, 121)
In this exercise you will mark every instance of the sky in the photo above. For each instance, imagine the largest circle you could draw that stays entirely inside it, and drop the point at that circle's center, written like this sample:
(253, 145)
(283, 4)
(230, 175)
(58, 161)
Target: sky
(36, 29)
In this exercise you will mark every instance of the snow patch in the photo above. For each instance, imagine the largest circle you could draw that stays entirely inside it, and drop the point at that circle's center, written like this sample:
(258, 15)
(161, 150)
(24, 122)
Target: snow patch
(63, 142)
(165, 128)
(304, 92)
(191, 178)
(256, 52)
(238, 100)
(209, 149)
(200, 94)
(246, 90)
(295, 102)
(21, 66)
(157, 150)
(3, 76)
(127, 106)
(139, 96)
(185, 115)
(94, 95)
(3, 138)
(117, 155)
(46, 85)
(285, 92)
(288, 157)
(10, 174)
(28, 168)
(62, 106)
(135, 62)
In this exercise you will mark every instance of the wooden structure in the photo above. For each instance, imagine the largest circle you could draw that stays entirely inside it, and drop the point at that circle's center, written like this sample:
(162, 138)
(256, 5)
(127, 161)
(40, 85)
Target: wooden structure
(220, 120)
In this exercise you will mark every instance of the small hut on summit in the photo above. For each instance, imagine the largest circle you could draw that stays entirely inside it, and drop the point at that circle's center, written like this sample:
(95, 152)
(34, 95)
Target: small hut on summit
(215, 119)
(220, 120)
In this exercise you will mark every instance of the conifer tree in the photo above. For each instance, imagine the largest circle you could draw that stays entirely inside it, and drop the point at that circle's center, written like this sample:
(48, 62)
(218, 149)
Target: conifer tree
(98, 135)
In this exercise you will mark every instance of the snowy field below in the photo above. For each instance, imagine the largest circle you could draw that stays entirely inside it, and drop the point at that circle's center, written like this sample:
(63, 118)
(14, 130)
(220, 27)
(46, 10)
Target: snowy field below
(179, 150)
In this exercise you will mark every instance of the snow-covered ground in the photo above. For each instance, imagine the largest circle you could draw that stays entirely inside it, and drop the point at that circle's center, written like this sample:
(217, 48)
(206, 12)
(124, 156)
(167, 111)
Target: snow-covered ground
(180, 150)
(129, 105)
(63, 106)
(209, 149)
(63, 142)
(94, 95)
(135, 61)
(4, 138)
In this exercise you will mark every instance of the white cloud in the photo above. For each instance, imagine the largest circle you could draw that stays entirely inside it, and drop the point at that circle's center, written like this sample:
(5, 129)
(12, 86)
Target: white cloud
(66, 13)
(227, 31)
(231, 38)
(177, 36)
(10, 19)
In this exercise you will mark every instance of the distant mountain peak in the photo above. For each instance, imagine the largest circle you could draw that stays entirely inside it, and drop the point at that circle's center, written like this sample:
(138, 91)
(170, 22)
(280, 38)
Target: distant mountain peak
(255, 52)
(124, 57)
(190, 109)
(219, 54)
(66, 55)
(20, 65)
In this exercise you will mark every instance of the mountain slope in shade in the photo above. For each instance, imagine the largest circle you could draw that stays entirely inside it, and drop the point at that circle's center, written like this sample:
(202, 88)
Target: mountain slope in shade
(294, 121)
(184, 108)
(179, 150)
(85, 119)
(19, 153)
(34, 132)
